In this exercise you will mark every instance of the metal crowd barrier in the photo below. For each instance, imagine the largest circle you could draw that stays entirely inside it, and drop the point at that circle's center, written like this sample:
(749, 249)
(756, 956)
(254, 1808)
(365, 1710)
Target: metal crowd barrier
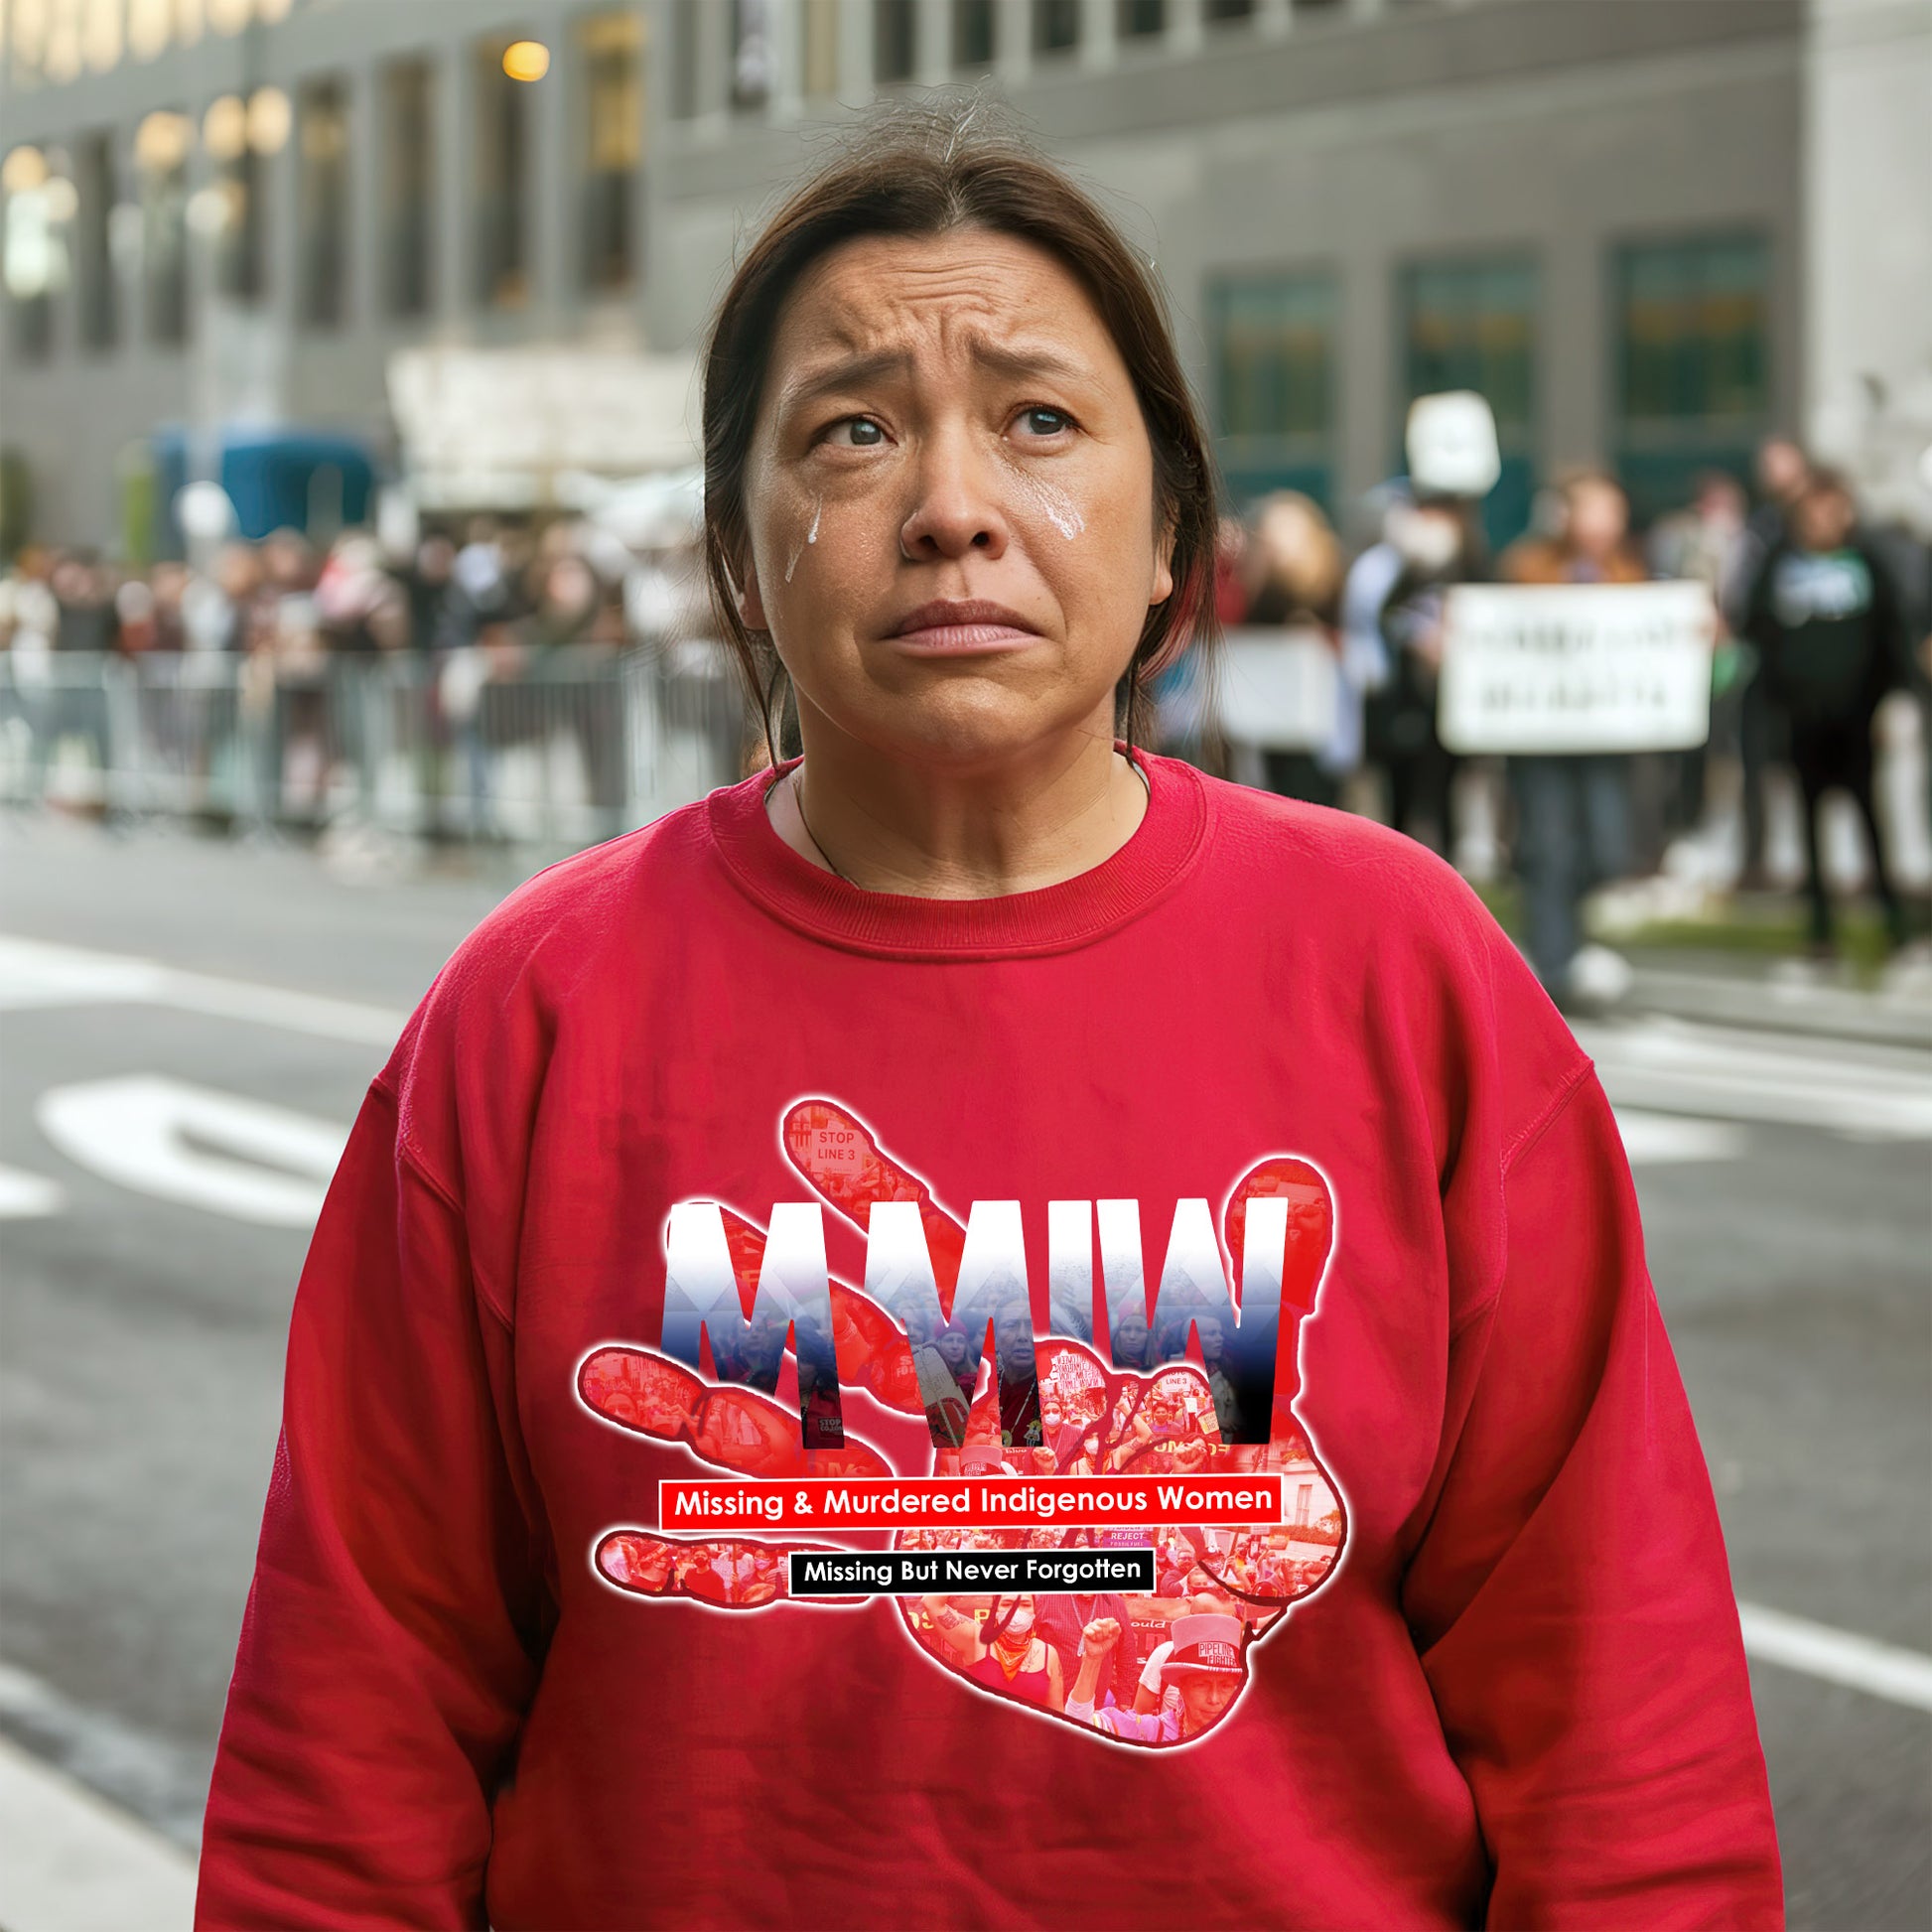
(557, 749)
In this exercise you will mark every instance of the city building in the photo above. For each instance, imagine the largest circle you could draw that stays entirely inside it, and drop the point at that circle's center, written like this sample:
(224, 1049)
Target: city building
(1648, 234)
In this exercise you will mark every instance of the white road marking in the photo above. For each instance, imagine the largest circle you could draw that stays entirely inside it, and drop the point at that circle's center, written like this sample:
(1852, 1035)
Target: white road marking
(1655, 1065)
(34, 973)
(70, 1861)
(1849, 1087)
(1664, 1140)
(1881, 1670)
(27, 1196)
(142, 1132)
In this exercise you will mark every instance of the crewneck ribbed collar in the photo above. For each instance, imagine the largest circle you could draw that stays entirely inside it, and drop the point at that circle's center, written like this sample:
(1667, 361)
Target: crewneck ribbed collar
(1053, 919)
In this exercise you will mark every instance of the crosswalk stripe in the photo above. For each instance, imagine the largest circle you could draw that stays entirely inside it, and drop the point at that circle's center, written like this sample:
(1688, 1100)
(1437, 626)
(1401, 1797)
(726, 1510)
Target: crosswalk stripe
(70, 1861)
(34, 973)
(1679, 1066)
(1881, 1670)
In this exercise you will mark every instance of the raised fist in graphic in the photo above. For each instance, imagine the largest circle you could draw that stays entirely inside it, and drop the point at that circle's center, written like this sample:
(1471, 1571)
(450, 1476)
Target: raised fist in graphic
(1175, 1659)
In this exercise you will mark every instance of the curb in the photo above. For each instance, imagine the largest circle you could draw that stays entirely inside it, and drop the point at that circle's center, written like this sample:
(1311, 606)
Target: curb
(1777, 1006)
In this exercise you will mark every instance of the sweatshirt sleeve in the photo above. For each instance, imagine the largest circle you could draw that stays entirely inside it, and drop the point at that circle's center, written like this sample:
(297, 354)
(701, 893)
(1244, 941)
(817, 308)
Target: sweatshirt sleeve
(1569, 1594)
(390, 1640)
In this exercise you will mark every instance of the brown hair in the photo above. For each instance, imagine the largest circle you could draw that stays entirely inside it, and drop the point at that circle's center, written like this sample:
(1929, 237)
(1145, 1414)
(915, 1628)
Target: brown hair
(922, 171)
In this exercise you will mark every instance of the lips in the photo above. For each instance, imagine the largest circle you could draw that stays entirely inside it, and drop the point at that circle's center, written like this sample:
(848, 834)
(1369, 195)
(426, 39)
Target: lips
(962, 627)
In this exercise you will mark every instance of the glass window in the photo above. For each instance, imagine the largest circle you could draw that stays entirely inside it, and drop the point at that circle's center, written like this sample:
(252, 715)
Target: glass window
(614, 145)
(322, 197)
(687, 26)
(1471, 325)
(1139, 19)
(972, 33)
(161, 168)
(751, 52)
(891, 40)
(35, 203)
(500, 161)
(1220, 10)
(1056, 25)
(61, 56)
(408, 187)
(93, 256)
(1691, 378)
(1272, 338)
(1692, 328)
(819, 24)
(101, 34)
(26, 47)
(148, 27)
(238, 267)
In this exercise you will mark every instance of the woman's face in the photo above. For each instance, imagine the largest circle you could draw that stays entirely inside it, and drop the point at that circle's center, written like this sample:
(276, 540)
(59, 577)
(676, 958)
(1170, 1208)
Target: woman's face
(947, 420)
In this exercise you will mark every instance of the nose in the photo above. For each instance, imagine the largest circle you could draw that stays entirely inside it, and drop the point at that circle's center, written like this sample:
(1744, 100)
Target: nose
(956, 504)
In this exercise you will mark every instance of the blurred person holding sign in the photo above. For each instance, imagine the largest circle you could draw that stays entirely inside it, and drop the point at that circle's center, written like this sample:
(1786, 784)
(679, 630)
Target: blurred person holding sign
(1431, 540)
(1279, 689)
(1572, 807)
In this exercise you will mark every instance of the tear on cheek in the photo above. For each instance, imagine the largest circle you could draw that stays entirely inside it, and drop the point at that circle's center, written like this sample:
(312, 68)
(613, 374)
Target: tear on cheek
(811, 536)
(1050, 501)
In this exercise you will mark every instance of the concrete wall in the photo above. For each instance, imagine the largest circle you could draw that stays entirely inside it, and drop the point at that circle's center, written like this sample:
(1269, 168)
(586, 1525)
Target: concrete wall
(1867, 214)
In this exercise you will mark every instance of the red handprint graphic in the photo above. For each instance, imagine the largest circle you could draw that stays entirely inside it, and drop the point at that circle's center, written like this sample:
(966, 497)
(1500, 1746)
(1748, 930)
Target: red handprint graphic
(1171, 1668)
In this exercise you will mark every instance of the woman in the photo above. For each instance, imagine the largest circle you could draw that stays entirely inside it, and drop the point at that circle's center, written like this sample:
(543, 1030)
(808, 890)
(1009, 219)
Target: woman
(1000, 1649)
(975, 992)
(1574, 812)
(1294, 570)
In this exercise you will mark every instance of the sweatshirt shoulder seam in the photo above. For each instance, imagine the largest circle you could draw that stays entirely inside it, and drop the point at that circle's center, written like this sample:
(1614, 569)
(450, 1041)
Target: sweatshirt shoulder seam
(418, 1163)
(1546, 1116)
(1526, 1140)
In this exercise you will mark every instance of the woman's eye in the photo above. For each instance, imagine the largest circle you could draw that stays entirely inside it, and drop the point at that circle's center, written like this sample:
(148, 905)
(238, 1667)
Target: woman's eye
(867, 435)
(1057, 419)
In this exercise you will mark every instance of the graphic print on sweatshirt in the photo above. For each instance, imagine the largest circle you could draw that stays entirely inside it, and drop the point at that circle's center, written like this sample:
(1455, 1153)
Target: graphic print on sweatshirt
(1047, 1473)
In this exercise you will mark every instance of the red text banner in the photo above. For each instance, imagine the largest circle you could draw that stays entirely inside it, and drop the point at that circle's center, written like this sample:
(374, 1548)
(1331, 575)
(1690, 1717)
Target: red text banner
(972, 1503)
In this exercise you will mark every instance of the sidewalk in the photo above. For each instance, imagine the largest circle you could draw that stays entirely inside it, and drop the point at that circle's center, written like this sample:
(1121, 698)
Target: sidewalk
(1781, 995)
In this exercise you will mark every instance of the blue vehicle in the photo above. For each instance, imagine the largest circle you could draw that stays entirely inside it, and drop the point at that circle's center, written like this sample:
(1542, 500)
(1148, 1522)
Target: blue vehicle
(283, 479)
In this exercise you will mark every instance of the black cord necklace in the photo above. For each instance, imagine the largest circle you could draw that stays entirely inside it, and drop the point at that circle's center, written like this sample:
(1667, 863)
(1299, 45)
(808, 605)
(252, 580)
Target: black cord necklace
(798, 799)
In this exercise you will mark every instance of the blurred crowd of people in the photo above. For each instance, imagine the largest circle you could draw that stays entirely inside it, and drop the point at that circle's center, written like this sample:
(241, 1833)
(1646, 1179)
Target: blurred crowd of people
(465, 618)
(1820, 618)
(513, 586)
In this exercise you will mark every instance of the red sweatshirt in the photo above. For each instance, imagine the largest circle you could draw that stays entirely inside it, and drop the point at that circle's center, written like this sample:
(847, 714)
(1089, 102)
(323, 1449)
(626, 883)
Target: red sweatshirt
(1239, 1208)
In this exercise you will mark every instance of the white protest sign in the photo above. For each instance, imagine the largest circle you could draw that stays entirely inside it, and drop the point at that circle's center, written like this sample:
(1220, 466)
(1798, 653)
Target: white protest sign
(1450, 440)
(1278, 689)
(1576, 667)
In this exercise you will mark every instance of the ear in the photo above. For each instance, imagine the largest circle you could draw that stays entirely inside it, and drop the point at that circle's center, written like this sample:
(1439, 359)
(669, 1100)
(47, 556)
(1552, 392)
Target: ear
(1163, 586)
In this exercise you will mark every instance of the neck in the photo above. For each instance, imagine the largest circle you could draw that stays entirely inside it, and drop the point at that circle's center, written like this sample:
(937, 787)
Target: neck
(973, 830)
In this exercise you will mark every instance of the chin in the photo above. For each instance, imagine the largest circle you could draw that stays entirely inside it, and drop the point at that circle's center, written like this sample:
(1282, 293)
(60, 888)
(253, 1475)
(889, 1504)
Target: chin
(969, 724)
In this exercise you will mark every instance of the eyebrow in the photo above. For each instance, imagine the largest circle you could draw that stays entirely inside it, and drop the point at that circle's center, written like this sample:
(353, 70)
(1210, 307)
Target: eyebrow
(854, 371)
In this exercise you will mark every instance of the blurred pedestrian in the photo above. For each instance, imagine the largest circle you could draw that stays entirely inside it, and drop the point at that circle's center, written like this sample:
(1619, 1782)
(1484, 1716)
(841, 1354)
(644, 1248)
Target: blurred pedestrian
(1572, 811)
(1436, 544)
(1828, 620)
(1703, 544)
(1294, 585)
(360, 608)
(1782, 472)
(426, 583)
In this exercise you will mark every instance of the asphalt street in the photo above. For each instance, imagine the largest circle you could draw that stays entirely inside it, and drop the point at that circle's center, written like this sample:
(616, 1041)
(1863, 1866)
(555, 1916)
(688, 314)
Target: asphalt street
(166, 1129)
